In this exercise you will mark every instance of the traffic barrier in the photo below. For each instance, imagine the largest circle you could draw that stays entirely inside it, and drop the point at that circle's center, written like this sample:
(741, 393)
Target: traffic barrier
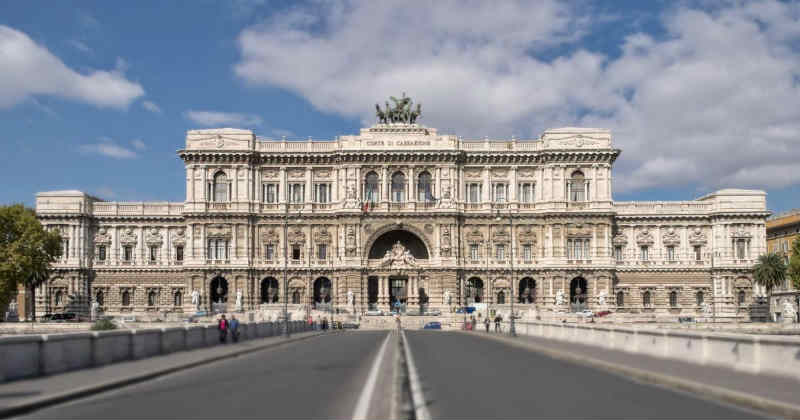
(751, 353)
(45, 354)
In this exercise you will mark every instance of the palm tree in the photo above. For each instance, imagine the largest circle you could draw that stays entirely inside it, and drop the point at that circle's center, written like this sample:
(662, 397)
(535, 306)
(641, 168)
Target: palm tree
(769, 271)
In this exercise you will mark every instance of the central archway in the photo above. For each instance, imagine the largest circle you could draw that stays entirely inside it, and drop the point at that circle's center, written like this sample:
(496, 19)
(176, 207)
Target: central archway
(219, 290)
(410, 241)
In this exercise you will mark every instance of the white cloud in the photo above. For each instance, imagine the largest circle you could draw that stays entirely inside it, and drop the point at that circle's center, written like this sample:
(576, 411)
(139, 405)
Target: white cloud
(151, 106)
(213, 118)
(138, 144)
(107, 147)
(29, 69)
(710, 104)
(79, 45)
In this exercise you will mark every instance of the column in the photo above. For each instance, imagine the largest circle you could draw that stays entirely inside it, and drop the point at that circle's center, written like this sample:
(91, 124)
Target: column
(385, 184)
(234, 242)
(412, 184)
(309, 189)
(512, 189)
(487, 186)
(283, 187)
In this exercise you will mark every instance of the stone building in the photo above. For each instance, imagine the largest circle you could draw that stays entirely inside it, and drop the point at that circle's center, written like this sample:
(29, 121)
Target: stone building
(400, 216)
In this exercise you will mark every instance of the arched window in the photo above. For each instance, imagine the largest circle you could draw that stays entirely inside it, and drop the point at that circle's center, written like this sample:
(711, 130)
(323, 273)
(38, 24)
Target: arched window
(59, 298)
(100, 298)
(425, 187)
(178, 299)
(577, 187)
(296, 297)
(372, 191)
(220, 187)
(646, 298)
(741, 297)
(398, 187)
(700, 298)
(151, 298)
(673, 298)
(620, 299)
(126, 298)
(501, 298)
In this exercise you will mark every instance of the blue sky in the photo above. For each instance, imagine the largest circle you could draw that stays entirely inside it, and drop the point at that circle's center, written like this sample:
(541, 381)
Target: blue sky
(97, 96)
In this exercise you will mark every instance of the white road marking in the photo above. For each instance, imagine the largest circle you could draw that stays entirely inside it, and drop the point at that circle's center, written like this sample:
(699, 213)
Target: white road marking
(417, 397)
(362, 407)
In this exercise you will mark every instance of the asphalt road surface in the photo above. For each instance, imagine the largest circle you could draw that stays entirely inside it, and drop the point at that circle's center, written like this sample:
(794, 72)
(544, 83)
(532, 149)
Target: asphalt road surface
(466, 376)
(320, 377)
(462, 376)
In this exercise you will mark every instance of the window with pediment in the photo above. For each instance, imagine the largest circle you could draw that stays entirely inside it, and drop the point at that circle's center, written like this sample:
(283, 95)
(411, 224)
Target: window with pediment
(577, 187)
(525, 192)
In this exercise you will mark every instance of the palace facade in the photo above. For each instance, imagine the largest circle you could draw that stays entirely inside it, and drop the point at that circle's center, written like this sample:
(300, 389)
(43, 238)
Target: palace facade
(402, 216)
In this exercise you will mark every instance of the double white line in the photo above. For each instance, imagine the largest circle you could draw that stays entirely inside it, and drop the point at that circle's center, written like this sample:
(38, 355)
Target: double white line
(417, 397)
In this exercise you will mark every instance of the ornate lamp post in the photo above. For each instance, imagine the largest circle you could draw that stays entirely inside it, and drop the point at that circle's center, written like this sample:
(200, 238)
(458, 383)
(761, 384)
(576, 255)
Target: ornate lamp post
(512, 329)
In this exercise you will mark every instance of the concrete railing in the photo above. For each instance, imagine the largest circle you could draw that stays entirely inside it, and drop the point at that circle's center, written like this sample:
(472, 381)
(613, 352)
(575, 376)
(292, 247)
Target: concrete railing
(35, 355)
(751, 353)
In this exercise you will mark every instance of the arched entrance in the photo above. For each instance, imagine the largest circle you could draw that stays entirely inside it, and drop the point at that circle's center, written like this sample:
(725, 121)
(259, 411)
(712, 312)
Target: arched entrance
(577, 294)
(269, 290)
(219, 292)
(386, 242)
(398, 292)
(527, 290)
(474, 291)
(322, 292)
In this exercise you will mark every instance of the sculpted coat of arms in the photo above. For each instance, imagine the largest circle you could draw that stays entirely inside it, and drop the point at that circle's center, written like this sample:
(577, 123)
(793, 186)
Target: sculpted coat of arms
(398, 255)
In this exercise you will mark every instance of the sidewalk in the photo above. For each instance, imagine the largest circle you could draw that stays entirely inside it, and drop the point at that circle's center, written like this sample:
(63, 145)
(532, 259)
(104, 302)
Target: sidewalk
(21, 396)
(773, 394)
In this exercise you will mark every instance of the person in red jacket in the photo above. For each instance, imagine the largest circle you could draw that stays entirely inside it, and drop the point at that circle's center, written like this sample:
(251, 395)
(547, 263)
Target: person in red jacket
(222, 326)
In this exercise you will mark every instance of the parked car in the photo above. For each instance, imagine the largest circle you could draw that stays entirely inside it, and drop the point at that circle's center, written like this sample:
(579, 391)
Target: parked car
(435, 312)
(433, 325)
(374, 312)
(586, 313)
(349, 325)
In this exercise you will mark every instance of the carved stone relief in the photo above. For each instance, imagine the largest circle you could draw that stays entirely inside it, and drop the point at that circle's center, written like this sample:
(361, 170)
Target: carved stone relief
(671, 237)
(645, 237)
(697, 237)
(102, 236)
(127, 236)
(153, 237)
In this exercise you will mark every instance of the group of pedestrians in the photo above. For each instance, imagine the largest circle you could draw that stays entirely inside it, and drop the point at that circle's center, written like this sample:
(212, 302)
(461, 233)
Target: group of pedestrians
(497, 320)
(318, 325)
(225, 326)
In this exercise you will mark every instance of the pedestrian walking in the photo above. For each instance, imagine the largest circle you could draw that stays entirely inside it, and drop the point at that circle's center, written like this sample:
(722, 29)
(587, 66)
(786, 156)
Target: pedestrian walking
(222, 326)
(325, 324)
(486, 323)
(473, 323)
(234, 329)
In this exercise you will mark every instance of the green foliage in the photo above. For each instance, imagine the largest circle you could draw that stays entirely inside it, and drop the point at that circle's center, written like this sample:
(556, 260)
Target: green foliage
(769, 271)
(26, 250)
(103, 325)
(794, 263)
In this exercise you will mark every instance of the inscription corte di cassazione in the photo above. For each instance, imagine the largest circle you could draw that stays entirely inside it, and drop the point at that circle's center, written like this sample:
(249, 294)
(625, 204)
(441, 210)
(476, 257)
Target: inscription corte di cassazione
(398, 143)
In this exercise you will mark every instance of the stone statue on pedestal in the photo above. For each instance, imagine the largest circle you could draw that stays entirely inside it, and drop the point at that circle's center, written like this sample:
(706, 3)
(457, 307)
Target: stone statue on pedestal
(560, 299)
(238, 299)
(601, 298)
(95, 306)
(196, 299)
(351, 299)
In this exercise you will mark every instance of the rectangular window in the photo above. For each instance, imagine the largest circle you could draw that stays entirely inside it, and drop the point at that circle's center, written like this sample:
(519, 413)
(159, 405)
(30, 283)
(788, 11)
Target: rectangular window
(297, 193)
(618, 253)
(577, 191)
(698, 252)
(269, 251)
(179, 253)
(500, 252)
(270, 193)
(322, 193)
(474, 193)
(670, 253)
(740, 254)
(473, 251)
(295, 252)
(643, 254)
(526, 252)
(577, 249)
(127, 253)
(500, 193)
(217, 249)
(322, 251)
(525, 192)
(153, 253)
(101, 252)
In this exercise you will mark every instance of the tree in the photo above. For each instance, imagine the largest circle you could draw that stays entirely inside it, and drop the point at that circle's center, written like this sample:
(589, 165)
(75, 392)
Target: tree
(794, 263)
(769, 271)
(26, 251)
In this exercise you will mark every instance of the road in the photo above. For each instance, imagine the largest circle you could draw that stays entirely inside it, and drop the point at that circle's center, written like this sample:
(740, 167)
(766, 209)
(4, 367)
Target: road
(466, 376)
(337, 376)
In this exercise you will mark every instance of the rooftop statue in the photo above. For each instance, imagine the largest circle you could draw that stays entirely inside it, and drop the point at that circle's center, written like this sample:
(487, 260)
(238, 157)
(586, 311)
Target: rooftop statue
(402, 112)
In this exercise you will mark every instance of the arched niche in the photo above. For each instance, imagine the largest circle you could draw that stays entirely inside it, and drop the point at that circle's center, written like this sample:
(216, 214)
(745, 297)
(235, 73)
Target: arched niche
(385, 241)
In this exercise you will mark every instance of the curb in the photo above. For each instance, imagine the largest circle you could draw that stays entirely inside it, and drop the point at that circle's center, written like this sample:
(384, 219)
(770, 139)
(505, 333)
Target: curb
(741, 399)
(76, 393)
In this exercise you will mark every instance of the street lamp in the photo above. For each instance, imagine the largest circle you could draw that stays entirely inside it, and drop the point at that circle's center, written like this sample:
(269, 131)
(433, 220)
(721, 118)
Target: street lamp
(512, 330)
(286, 269)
